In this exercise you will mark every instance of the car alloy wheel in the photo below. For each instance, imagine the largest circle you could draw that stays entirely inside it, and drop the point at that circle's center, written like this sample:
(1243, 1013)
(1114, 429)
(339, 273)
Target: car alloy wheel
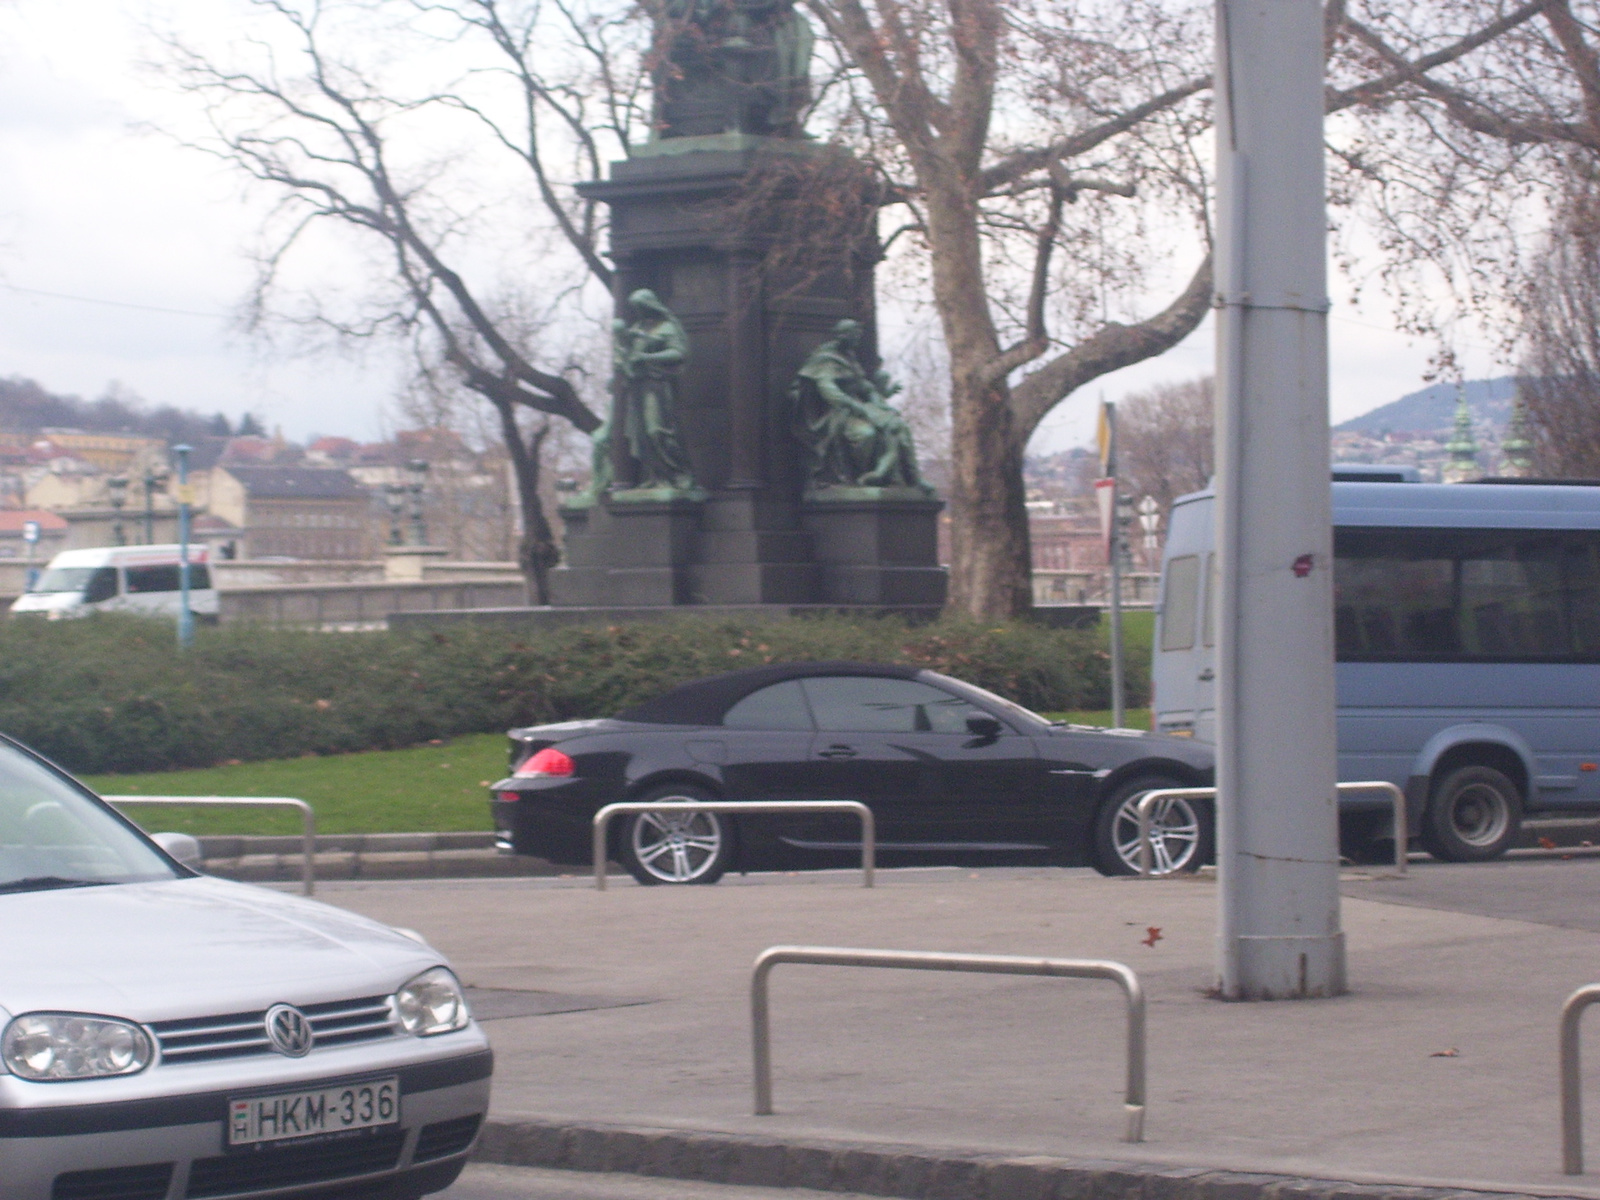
(1174, 834)
(1180, 830)
(670, 847)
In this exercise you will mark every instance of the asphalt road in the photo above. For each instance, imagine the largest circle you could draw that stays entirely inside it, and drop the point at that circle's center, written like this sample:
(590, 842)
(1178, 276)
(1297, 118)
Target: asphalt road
(1545, 889)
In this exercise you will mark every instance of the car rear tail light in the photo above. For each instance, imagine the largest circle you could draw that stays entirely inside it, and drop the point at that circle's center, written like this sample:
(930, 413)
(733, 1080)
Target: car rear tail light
(510, 797)
(548, 761)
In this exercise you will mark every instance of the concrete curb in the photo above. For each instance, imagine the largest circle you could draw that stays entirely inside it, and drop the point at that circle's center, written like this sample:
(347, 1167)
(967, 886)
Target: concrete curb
(275, 859)
(911, 1172)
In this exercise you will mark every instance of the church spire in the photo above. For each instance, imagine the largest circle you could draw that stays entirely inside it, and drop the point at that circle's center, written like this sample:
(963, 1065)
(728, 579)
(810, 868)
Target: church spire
(1462, 448)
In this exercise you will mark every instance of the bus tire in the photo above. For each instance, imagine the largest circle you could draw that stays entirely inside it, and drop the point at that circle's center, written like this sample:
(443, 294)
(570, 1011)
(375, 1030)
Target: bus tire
(1474, 813)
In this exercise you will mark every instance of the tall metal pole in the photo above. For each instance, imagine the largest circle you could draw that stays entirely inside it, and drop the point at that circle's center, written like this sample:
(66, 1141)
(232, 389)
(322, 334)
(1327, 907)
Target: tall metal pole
(1114, 550)
(185, 613)
(1279, 933)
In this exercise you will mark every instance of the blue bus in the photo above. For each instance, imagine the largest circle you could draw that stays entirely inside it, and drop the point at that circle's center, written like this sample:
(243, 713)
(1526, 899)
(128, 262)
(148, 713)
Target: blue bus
(1467, 633)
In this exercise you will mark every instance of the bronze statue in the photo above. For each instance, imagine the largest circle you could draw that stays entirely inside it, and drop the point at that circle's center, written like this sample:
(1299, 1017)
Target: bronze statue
(731, 66)
(842, 415)
(648, 354)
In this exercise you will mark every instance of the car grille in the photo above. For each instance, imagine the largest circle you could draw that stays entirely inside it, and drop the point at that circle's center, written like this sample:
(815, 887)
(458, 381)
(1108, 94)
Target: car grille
(287, 1166)
(238, 1035)
(114, 1183)
(445, 1138)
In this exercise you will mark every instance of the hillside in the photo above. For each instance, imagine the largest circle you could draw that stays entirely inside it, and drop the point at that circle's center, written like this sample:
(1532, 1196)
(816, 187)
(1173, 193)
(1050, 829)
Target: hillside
(1433, 409)
(27, 408)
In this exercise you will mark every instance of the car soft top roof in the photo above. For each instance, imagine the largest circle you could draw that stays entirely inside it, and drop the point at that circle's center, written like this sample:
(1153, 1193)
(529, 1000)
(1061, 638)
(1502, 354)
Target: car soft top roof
(704, 701)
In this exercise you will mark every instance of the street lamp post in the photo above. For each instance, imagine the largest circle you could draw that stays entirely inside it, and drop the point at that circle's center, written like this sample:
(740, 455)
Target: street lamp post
(117, 486)
(394, 498)
(153, 479)
(185, 502)
(418, 469)
(1278, 927)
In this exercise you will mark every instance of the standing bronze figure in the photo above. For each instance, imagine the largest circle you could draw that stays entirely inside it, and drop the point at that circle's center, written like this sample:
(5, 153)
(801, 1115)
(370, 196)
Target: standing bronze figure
(648, 354)
(842, 415)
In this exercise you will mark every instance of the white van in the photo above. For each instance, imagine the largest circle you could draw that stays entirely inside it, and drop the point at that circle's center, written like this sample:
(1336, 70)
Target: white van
(130, 579)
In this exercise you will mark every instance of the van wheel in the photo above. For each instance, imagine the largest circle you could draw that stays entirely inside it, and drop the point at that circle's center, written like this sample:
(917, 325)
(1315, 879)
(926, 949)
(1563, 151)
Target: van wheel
(1473, 815)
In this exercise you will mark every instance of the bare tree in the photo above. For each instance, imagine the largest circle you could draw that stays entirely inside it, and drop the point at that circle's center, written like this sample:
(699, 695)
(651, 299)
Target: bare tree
(1458, 168)
(1560, 388)
(1021, 129)
(338, 142)
(1047, 156)
(1164, 442)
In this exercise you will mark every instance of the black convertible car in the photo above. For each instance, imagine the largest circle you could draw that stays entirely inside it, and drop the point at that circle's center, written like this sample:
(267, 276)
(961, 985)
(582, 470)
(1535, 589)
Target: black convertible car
(952, 773)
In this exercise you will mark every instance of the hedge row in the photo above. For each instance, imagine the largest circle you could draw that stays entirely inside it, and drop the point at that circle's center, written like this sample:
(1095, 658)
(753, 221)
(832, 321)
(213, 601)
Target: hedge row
(113, 694)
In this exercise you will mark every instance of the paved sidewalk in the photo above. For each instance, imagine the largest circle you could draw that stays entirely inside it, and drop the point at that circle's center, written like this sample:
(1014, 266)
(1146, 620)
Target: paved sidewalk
(1439, 1069)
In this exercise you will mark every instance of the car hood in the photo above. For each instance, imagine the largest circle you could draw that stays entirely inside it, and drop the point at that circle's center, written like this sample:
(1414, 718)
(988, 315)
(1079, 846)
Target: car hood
(191, 947)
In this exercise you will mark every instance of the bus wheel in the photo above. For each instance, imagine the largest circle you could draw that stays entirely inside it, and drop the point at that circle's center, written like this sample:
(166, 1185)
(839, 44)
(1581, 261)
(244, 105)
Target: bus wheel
(1473, 815)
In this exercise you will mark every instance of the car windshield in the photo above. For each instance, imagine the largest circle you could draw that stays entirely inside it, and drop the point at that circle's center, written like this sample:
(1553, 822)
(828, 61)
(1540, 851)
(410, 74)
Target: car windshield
(1026, 715)
(63, 579)
(53, 836)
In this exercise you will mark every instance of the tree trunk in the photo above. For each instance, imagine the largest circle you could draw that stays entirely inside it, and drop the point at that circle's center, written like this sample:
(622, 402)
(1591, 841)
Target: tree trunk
(536, 552)
(990, 567)
(990, 557)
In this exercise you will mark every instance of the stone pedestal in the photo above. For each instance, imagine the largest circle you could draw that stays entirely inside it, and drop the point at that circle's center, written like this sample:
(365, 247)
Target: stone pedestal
(876, 545)
(679, 228)
(628, 554)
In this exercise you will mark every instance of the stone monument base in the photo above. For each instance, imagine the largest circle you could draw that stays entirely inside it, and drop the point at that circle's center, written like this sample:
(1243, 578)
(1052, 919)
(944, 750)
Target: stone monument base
(876, 547)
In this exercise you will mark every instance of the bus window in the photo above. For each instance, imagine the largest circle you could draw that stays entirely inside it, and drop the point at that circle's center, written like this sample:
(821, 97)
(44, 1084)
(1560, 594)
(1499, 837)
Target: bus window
(1208, 621)
(1460, 595)
(1178, 603)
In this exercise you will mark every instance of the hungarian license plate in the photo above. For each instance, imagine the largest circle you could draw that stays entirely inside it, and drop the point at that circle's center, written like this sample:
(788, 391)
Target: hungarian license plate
(313, 1111)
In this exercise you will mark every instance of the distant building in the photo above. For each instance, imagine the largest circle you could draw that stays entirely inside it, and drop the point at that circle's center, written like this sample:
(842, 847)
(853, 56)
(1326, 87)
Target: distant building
(293, 511)
(109, 453)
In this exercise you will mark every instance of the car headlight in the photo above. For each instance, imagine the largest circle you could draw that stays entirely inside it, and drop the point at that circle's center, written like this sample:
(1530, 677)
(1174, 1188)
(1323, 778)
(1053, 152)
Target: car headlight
(432, 1003)
(58, 1046)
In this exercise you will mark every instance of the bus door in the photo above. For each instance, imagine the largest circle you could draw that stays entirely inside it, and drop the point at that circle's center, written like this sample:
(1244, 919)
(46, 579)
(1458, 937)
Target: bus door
(1205, 657)
(1179, 670)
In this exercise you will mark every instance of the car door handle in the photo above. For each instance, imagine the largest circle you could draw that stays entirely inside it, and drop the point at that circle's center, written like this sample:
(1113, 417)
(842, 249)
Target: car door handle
(837, 752)
(1206, 676)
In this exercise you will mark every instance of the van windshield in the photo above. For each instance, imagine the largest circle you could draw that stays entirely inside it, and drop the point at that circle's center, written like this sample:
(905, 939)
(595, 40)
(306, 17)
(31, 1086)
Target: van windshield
(63, 579)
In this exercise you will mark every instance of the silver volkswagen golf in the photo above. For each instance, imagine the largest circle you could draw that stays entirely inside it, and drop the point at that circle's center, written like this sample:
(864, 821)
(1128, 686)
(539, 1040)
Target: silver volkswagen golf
(167, 1036)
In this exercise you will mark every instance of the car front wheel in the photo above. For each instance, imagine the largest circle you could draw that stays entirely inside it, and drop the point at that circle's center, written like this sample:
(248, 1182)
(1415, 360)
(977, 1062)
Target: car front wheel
(1474, 814)
(1181, 832)
(668, 847)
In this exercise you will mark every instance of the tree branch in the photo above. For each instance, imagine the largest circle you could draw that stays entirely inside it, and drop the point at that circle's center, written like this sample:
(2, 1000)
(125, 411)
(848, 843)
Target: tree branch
(1113, 346)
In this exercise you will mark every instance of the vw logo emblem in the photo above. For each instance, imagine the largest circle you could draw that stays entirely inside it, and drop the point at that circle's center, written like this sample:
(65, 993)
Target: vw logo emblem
(289, 1031)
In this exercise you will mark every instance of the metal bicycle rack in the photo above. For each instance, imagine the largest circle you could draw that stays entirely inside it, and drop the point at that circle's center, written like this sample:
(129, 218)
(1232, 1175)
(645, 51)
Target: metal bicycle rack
(869, 827)
(986, 964)
(1571, 1083)
(1148, 802)
(308, 820)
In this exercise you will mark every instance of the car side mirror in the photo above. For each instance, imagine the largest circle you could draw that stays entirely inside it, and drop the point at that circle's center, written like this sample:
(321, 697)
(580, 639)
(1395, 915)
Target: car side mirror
(181, 847)
(984, 727)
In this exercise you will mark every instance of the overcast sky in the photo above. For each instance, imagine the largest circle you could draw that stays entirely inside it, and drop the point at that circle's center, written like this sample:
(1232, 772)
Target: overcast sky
(123, 257)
